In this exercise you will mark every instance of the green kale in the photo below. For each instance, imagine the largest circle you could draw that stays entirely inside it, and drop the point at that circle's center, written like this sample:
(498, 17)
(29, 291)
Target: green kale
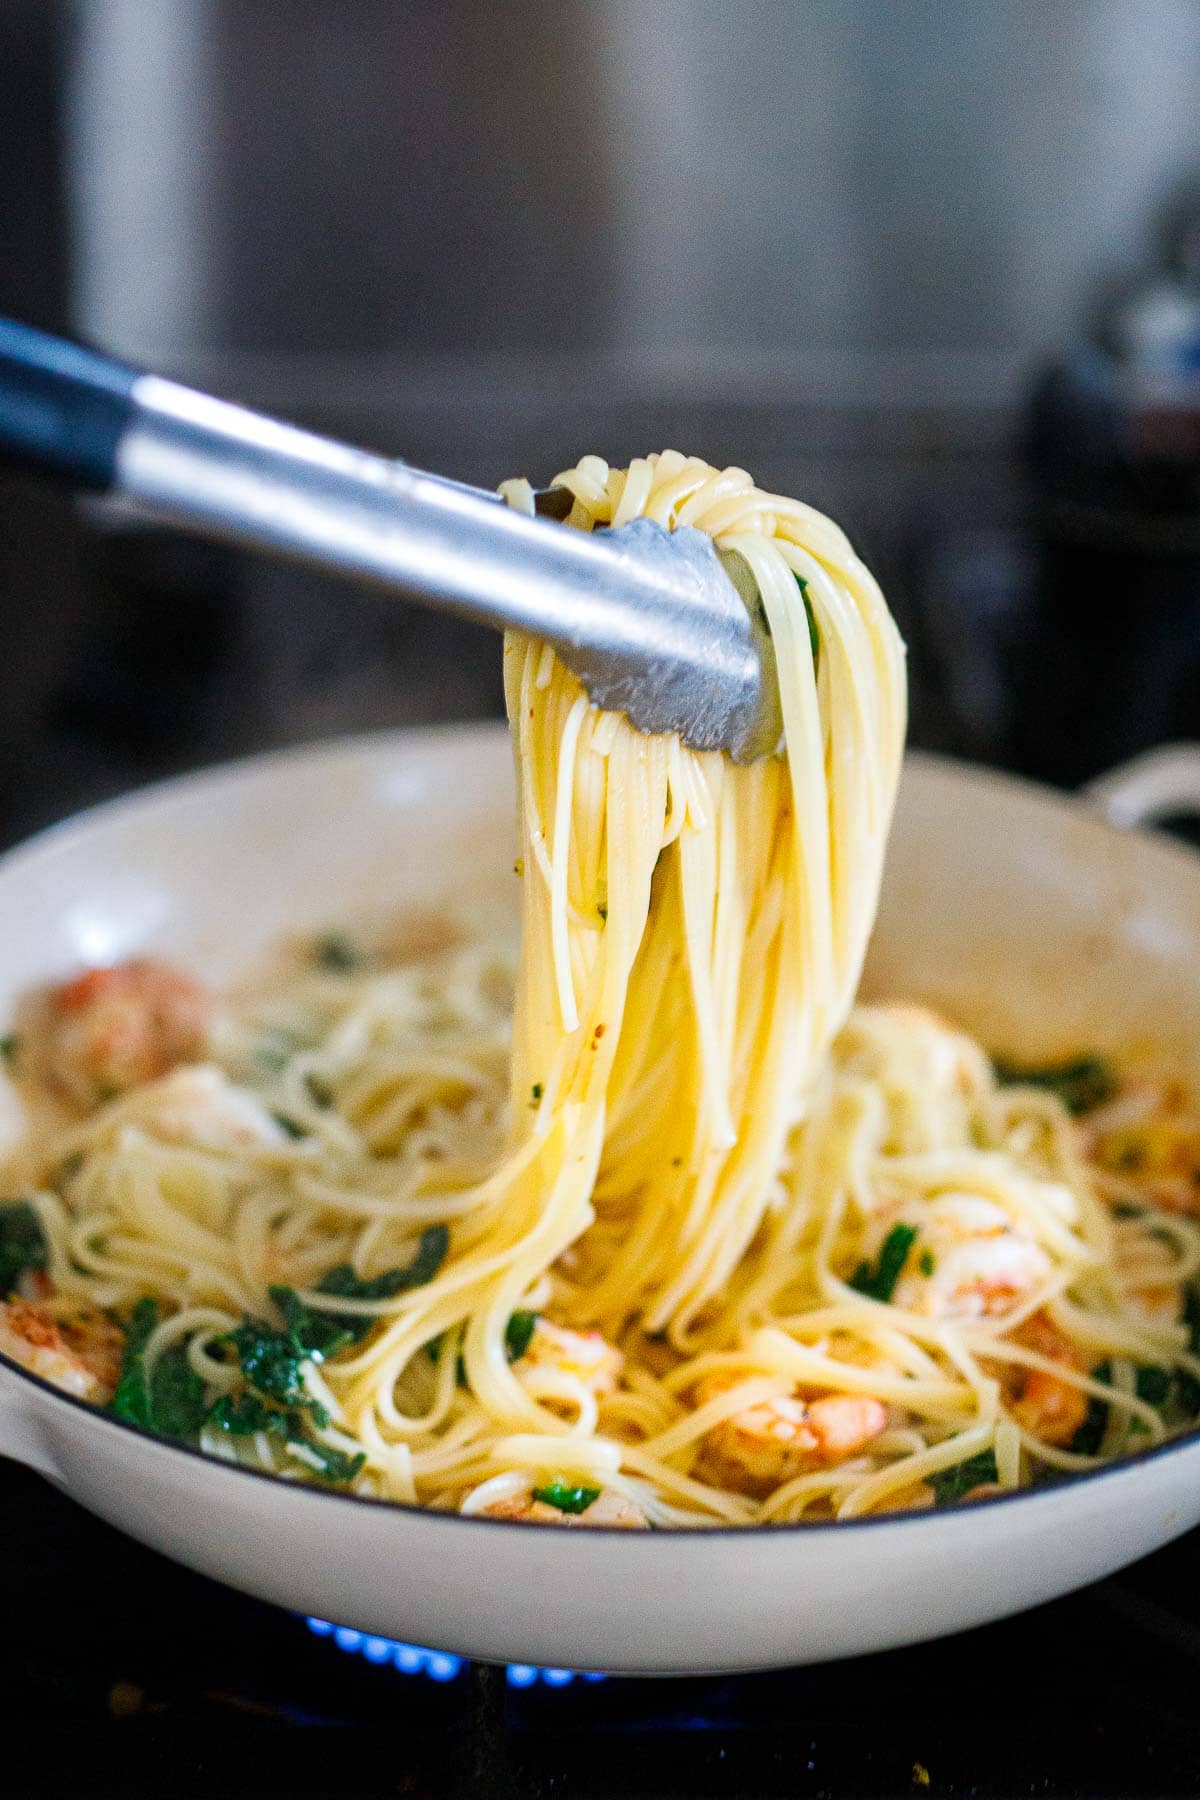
(568, 1499)
(172, 1402)
(336, 1465)
(289, 1126)
(879, 1283)
(1153, 1384)
(518, 1333)
(1187, 1388)
(338, 953)
(1080, 1084)
(243, 1415)
(10, 1048)
(131, 1401)
(311, 1331)
(272, 1361)
(951, 1484)
(320, 1089)
(1090, 1436)
(23, 1247)
(927, 1262)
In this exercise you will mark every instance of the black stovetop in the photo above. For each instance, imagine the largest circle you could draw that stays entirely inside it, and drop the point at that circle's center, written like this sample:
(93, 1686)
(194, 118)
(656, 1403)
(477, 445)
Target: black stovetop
(127, 1674)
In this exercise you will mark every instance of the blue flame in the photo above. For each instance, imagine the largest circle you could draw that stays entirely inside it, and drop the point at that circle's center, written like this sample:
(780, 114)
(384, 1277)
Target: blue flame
(439, 1665)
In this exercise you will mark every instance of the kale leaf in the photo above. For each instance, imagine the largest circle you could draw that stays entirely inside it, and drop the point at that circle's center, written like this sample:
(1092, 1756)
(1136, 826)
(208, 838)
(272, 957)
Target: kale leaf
(338, 953)
(23, 1247)
(313, 1325)
(172, 1402)
(568, 1499)
(951, 1484)
(1090, 1436)
(1080, 1084)
(243, 1415)
(879, 1283)
(518, 1334)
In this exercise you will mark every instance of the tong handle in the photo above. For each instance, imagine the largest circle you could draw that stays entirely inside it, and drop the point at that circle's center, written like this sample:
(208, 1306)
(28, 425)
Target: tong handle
(63, 408)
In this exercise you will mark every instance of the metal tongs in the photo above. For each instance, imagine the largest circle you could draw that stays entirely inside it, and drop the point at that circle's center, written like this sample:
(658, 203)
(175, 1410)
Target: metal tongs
(649, 620)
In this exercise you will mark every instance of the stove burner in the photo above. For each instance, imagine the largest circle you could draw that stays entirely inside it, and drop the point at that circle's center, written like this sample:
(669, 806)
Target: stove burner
(439, 1665)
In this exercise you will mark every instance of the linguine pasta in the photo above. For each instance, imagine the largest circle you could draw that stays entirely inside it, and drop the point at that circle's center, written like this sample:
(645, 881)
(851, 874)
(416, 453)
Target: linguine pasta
(674, 1236)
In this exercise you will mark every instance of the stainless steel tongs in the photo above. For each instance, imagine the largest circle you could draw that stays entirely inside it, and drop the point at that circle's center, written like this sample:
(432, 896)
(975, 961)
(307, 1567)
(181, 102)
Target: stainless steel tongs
(649, 620)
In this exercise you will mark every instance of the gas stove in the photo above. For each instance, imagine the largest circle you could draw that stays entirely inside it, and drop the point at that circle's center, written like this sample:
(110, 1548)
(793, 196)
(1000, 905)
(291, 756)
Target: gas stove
(127, 1674)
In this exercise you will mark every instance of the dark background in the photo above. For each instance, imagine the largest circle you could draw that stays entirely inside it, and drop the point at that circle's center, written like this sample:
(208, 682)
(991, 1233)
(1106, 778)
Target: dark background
(839, 242)
(931, 265)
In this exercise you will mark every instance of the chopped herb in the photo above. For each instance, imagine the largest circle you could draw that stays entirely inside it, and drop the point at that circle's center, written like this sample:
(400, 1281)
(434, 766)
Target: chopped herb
(1152, 1384)
(272, 1361)
(537, 1093)
(320, 1089)
(927, 1262)
(1187, 1388)
(602, 909)
(23, 1247)
(338, 953)
(951, 1484)
(177, 1399)
(336, 1465)
(879, 1283)
(1090, 1436)
(1125, 1209)
(314, 1332)
(568, 1499)
(172, 1402)
(518, 1334)
(1081, 1084)
(10, 1048)
(290, 1127)
(243, 1415)
(131, 1400)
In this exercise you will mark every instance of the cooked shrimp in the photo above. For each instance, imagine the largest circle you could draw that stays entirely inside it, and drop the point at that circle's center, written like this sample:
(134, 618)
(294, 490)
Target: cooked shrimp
(80, 1353)
(1046, 1407)
(112, 1029)
(755, 1450)
(585, 1356)
(969, 1259)
(202, 1107)
(608, 1508)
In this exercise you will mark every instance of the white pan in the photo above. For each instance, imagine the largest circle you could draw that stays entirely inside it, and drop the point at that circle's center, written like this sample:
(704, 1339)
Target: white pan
(1028, 917)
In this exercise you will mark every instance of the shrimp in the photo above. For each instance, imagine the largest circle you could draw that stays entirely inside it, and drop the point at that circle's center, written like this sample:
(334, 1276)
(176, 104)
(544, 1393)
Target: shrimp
(80, 1353)
(608, 1508)
(968, 1260)
(1147, 1141)
(111, 1029)
(201, 1107)
(755, 1450)
(585, 1356)
(1044, 1406)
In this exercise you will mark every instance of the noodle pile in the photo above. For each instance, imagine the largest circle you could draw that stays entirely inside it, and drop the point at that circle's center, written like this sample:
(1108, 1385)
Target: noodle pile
(678, 1137)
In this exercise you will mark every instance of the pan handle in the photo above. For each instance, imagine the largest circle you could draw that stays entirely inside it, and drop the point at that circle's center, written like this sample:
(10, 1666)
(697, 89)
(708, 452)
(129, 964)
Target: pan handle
(21, 1437)
(1159, 784)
